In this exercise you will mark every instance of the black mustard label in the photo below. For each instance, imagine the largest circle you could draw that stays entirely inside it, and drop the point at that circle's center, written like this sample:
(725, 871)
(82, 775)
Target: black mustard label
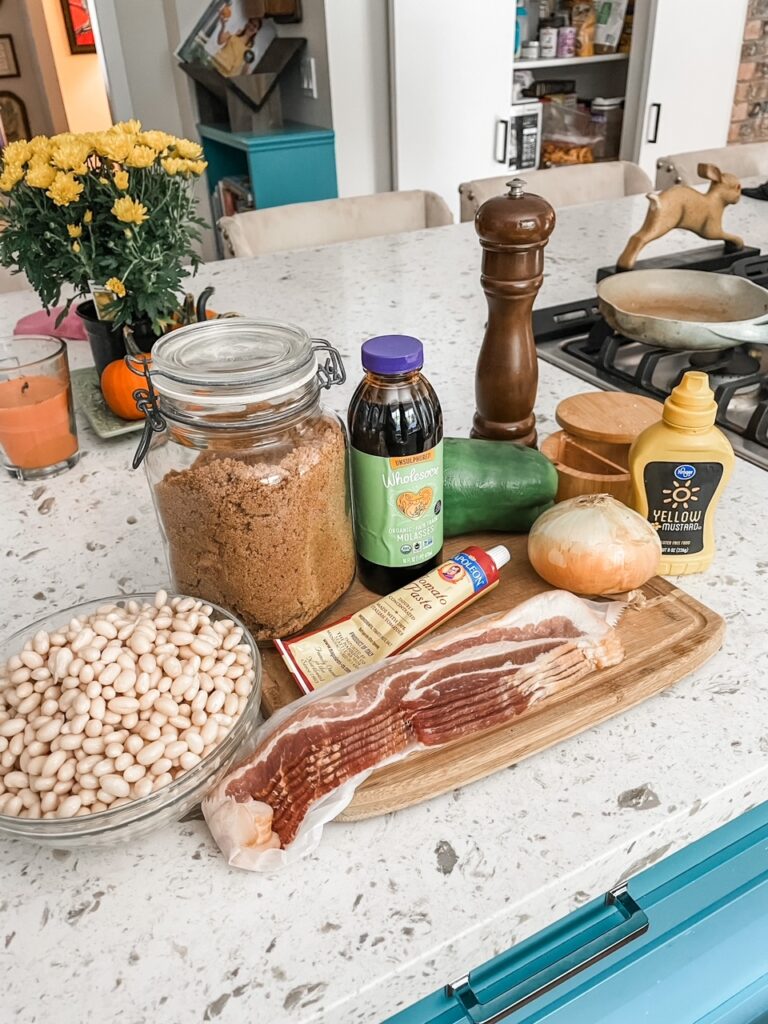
(678, 496)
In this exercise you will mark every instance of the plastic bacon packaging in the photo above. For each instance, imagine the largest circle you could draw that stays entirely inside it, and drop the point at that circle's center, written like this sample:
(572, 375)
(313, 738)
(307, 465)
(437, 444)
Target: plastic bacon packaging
(310, 757)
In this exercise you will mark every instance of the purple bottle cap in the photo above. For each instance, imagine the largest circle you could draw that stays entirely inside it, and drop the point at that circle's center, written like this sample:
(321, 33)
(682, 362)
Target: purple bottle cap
(392, 353)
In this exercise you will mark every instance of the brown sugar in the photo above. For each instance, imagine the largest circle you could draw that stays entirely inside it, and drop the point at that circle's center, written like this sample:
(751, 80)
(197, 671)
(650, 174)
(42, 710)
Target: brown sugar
(267, 536)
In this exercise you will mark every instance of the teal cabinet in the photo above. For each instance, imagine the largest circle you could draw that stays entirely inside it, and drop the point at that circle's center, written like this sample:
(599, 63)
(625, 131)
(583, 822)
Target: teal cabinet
(684, 942)
(292, 164)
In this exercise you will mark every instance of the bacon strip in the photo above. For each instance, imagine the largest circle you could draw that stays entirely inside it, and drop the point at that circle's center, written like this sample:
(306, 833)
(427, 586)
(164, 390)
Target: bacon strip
(459, 684)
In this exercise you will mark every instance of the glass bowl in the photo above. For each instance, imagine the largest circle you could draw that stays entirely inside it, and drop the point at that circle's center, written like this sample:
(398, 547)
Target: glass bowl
(168, 804)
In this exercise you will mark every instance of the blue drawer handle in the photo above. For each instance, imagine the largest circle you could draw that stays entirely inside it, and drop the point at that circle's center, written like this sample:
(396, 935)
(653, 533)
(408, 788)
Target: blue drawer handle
(634, 925)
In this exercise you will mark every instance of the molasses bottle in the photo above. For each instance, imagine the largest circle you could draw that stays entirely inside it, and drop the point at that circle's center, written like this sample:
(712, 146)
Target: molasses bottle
(396, 436)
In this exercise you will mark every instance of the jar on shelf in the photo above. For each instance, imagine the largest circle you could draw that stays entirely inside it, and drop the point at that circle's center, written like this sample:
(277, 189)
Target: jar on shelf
(248, 472)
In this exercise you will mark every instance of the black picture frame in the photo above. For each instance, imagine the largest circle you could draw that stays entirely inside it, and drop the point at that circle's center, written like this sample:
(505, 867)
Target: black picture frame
(75, 45)
(9, 43)
(13, 113)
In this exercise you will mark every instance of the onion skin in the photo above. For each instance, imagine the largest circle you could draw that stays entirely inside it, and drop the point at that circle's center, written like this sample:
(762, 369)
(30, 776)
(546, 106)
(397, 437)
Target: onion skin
(594, 545)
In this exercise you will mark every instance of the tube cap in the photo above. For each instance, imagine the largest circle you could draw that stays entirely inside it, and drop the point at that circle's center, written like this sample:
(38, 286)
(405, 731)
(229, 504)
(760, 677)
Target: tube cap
(499, 555)
(392, 353)
(692, 403)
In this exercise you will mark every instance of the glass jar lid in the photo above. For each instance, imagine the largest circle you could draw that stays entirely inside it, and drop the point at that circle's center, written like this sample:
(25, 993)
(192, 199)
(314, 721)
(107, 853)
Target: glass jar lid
(232, 359)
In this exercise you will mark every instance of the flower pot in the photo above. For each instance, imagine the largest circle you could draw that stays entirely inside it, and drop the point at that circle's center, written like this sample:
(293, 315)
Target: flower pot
(106, 340)
(140, 335)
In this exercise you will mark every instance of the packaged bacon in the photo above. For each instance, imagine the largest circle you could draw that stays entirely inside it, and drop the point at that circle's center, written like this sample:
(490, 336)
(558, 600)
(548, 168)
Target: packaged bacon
(310, 757)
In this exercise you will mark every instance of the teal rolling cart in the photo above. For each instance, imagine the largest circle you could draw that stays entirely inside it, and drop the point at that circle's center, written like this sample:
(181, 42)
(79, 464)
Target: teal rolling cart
(292, 164)
(684, 942)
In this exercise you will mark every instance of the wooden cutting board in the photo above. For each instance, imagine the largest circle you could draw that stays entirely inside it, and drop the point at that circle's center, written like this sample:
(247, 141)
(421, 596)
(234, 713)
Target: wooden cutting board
(665, 640)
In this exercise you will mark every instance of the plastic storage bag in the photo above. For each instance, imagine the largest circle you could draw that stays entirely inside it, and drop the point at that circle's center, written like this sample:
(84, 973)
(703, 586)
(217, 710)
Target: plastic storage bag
(243, 828)
(569, 136)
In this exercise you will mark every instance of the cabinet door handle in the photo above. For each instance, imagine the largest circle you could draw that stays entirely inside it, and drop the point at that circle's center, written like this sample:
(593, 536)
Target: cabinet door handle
(654, 116)
(500, 152)
(564, 965)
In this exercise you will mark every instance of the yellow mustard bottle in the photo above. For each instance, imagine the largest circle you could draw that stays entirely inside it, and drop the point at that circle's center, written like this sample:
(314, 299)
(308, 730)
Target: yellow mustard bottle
(679, 467)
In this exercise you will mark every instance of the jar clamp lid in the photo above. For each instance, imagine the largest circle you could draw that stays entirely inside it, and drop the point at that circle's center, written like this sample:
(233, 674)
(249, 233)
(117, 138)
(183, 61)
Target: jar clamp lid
(224, 364)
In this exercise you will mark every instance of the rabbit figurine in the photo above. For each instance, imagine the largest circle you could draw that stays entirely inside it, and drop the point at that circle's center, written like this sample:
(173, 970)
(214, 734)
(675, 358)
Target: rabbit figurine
(683, 207)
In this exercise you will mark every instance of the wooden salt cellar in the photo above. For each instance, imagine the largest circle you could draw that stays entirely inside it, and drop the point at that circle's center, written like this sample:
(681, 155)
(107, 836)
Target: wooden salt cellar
(513, 231)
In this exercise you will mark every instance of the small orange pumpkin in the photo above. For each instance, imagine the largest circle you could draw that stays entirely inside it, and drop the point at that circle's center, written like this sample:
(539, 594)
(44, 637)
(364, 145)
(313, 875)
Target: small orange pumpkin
(118, 382)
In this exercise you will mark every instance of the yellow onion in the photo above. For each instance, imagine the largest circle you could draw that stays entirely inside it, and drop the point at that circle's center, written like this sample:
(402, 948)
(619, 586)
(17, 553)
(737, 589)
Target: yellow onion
(594, 545)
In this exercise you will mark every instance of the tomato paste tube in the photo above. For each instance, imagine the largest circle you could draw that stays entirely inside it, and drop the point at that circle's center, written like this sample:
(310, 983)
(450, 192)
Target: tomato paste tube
(394, 622)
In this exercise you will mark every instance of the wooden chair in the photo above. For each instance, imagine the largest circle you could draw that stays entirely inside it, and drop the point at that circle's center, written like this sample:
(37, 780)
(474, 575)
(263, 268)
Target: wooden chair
(304, 225)
(747, 161)
(562, 186)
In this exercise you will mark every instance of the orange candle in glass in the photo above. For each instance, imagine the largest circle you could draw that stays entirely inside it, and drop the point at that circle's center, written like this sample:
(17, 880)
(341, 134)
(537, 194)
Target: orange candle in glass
(38, 436)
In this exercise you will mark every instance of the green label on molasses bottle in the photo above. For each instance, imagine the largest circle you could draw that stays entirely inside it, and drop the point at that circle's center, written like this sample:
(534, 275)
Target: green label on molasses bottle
(398, 506)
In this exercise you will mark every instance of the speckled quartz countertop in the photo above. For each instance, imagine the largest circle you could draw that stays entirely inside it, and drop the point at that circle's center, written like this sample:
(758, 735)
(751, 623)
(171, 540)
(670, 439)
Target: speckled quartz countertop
(386, 910)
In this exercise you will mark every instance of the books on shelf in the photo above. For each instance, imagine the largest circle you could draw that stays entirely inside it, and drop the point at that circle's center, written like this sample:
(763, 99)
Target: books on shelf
(232, 195)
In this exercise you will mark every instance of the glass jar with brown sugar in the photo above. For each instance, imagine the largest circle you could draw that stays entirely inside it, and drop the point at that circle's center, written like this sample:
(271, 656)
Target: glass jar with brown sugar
(248, 471)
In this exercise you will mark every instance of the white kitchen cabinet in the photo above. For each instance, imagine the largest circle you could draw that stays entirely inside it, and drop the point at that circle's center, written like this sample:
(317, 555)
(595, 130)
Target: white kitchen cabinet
(450, 81)
(680, 94)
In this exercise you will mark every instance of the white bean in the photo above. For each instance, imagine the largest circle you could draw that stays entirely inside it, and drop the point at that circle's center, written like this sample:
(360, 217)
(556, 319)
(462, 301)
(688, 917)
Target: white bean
(189, 760)
(175, 749)
(151, 753)
(115, 785)
(123, 705)
(143, 787)
(125, 682)
(166, 706)
(16, 780)
(161, 766)
(134, 772)
(12, 727)
(215, 702)
(69, 806)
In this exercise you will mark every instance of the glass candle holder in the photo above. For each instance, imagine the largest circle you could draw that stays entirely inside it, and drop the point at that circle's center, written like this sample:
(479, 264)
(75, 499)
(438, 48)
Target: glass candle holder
(38, 436)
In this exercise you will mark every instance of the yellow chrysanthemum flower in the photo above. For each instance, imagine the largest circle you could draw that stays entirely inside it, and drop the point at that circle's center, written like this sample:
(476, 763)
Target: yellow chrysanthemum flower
(17, 152)
(114, 147)
(121, 180)
(11, 176)
(172, 165)
(129, 211)
(132, 127)
(188, 150)
(40, 174)
(74, 230)
(141, 156)
(159, 141)
(65, 188)
(116, 286)
(71, 156)
(87, 216)
(76, 248)
(62, 138)
(41, 146)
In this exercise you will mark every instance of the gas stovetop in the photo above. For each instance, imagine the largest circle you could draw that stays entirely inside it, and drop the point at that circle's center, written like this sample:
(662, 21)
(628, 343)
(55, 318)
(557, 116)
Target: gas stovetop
(575, 337)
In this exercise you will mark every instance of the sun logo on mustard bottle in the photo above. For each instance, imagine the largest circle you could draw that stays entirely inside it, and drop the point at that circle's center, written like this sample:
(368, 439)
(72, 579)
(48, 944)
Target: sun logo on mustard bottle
(680, 496)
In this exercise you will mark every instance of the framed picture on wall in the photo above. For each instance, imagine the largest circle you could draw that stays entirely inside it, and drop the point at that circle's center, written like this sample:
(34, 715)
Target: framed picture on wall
(77, 19)
(13, 115)
(9, 66)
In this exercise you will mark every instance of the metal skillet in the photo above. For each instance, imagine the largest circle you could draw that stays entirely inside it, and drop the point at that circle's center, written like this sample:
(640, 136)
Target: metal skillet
(685, 309)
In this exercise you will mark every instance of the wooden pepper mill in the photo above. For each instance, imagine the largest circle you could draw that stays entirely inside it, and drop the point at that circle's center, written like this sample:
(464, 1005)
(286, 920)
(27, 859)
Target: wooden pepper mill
(513, 230)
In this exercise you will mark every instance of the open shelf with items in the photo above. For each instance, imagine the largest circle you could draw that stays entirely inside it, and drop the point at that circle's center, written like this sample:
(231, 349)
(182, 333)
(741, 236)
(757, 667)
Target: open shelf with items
(561, 62)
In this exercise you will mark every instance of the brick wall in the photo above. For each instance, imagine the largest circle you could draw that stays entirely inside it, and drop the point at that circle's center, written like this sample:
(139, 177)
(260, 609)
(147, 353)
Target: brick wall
(749, 120)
